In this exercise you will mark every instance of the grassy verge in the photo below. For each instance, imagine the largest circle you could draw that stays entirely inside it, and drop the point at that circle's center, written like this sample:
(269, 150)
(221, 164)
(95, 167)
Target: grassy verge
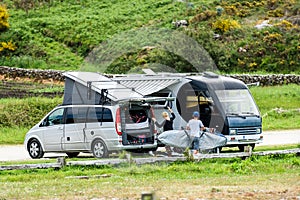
(279, 106)
(12, 135)
(269, 177)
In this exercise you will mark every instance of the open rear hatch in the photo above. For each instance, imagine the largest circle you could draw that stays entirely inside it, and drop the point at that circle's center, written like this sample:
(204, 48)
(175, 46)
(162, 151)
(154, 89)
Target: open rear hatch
(135, 116)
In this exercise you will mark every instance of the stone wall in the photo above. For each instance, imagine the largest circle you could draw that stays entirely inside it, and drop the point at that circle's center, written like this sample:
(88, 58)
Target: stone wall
(36, 74)
(264, 80)
(267, 80)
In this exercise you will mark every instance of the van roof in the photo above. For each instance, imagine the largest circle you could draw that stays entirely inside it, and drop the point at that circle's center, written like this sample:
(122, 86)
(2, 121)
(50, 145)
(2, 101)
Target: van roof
(217, 83)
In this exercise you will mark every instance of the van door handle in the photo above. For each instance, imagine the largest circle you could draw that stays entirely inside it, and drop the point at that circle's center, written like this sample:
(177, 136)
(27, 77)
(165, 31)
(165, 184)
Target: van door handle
(60, 128)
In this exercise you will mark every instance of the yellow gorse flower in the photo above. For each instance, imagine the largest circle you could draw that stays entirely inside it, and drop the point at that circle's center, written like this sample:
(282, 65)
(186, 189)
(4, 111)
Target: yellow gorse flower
(224, 25)
(3, 18)
(7, 46)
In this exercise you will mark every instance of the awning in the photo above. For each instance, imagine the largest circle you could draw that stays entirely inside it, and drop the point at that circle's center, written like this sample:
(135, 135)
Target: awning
(147, 85)
(120, 88)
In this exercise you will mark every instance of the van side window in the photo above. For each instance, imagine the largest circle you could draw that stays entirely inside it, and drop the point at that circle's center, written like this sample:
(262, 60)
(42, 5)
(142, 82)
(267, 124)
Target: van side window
(76, 115)
(99, 115)
(54, 118)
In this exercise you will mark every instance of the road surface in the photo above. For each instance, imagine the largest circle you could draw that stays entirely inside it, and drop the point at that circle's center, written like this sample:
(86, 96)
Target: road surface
(18, 152)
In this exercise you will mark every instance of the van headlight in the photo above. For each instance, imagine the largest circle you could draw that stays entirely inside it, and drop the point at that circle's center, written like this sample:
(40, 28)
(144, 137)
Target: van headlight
(258, 130)
(232, 131)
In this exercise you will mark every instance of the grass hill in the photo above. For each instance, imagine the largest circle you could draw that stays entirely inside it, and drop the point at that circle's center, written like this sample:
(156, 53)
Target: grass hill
(52, 34)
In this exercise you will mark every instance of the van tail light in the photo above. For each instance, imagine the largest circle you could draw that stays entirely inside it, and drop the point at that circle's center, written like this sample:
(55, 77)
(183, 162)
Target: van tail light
(118, 122)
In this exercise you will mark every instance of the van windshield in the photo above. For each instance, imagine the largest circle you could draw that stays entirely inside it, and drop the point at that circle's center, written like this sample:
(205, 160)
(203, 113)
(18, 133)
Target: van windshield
(237, 102)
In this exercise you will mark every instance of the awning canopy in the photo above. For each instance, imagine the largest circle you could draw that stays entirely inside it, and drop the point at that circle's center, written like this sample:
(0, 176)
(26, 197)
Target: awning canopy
(91, 87)
(147, 85)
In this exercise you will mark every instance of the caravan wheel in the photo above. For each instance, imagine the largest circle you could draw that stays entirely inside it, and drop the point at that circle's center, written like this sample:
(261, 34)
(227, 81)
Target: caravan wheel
(99, 149)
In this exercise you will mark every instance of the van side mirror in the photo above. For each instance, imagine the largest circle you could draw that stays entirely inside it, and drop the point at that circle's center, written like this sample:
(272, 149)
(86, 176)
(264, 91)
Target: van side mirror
(45, 123)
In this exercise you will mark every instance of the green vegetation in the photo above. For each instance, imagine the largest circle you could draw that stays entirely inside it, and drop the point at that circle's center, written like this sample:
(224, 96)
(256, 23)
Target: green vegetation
(217, 178)
(60, 34)
(279, 106)
(25, 112)
(12, 135)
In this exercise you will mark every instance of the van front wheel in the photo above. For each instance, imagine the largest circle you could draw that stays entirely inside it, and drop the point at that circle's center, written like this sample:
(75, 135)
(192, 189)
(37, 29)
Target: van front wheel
(35, 149)
(99, 149)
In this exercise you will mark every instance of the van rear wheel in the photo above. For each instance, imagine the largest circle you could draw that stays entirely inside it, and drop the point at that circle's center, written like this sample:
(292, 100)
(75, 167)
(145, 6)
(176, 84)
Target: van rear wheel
(35, 150)
(99, 149)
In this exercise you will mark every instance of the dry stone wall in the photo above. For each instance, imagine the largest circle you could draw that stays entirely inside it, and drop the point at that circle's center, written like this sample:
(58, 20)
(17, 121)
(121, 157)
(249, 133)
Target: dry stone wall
(36, 74)
(268, 80)
(264, 80)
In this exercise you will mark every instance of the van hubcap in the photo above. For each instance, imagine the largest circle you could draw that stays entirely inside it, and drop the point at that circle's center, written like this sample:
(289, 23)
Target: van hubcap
(99, 149)
(34, 149)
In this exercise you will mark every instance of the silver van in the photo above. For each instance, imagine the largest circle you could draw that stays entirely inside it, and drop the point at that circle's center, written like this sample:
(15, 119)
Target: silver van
(97, 129)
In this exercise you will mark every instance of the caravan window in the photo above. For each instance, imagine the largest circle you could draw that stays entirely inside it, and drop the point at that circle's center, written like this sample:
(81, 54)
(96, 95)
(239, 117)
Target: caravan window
(199, 100)
(237, 101)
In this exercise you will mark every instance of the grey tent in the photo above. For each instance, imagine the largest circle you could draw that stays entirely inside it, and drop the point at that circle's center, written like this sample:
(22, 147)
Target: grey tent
(94, 88)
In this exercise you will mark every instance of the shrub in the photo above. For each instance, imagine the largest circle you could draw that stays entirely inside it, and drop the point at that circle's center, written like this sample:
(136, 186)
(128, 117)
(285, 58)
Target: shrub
(6, 47)
(25, 112)
(3, 18)
(276, 13)
(272, 37)
(285, 24)
(204, 16)
(224, 25)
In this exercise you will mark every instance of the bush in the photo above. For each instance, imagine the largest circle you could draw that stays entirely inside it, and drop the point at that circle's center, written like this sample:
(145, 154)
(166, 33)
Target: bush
(25, 112)
(6, 47)
(4, 25)
(224, 25)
